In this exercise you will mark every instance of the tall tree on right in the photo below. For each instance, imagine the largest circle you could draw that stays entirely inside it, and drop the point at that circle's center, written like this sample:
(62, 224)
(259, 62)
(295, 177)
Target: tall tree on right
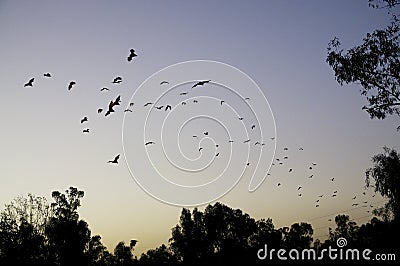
(375, 65)
(386, 177)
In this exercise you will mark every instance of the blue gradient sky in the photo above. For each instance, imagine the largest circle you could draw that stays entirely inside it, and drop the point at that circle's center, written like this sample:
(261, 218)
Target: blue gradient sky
(281, 45)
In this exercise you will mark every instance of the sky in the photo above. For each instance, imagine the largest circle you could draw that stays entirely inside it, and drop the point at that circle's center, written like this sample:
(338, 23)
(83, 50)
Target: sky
(278, 47)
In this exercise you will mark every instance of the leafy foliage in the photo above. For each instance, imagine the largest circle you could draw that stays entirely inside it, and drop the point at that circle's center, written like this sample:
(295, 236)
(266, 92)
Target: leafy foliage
(375, 65)
(33, 232)
(386, 176)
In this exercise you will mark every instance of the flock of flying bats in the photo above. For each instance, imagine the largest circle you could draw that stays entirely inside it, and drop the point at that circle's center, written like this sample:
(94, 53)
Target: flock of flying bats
(117, 102)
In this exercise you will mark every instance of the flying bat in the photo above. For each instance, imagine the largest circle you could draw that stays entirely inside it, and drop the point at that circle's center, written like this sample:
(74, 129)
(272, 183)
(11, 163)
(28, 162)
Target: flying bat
(71, 84)
(164, 82)
(115, 160)
(201, 83)
(117, 80)
(112, 104)
(47, 75)
(131, 55)
(29, 83)
(85, 119)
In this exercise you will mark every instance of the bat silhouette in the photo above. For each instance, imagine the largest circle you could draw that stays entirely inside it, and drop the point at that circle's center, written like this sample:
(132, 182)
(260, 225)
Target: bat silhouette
(183, 93)
(131, 104)
(131, 55)
(47, 75)
(99, 110)
(115, 160)
(71, 84)
(110, 109)
(117, 80)
(164, 82)
(112, 104)
(149, 103)
(149, 143)
(105, 89)
(167, 107)
(200, 83)
(86, 130)
(29, 83)
(127, 110)
(159, 107)
(85, 119)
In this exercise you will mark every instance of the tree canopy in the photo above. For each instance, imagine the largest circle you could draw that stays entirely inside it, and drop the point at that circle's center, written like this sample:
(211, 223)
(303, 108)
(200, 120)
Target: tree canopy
(385, 175)
(374, 64)
(32, 232)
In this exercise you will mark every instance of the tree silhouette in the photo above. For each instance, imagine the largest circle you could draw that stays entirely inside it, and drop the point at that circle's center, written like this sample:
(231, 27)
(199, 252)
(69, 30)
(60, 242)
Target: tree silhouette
(97, 253)
(299, 236)
(22, 224)
(375, 65)
(68, 236)
(33, 232)
(386, 176)
(266, 234)
(189, 238)
(159, 256)
(344, 228)
(123, 255)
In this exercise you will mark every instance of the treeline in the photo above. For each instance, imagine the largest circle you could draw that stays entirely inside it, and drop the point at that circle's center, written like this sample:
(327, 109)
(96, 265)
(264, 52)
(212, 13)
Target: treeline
(33, 232)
